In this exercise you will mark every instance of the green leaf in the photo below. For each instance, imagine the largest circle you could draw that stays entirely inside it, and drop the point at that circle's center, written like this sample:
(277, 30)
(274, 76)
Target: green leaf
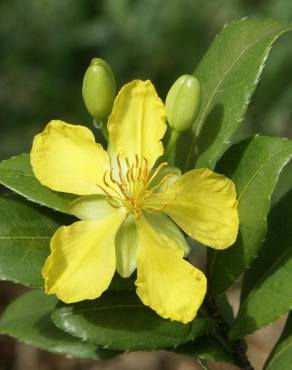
(254, 165)
(225, 308)
(28, 319)
(206, 348)
(16, 174)
(281, 357)
(119, 284)
(25, 232)
(267, 288)
(228, 73)
(119, 320)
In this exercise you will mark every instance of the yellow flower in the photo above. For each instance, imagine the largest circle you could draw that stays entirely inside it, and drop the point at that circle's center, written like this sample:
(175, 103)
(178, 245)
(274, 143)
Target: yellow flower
(129, 211)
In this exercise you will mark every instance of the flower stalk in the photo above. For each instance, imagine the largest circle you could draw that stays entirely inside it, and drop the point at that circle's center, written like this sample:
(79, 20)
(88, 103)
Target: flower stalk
(171, 143)
(101, 125)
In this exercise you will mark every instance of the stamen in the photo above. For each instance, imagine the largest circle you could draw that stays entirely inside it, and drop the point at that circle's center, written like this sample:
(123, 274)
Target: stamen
(108, 185)
(145, 176)
(127, 162)
(146, 166)
(146, 161)
(132, 173)
(139, 173)
(137, 168)
(112, 176)
(119, 162)
(129, 187)
(161, 182)
(105, 191)
(128, 175)
(121, 175)
(124, 191)
(112, 204)
(104, 179)
(158, 169)
(137, 161)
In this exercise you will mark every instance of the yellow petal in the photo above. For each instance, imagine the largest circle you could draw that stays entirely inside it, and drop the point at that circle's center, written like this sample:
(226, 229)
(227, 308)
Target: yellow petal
(165, 281)
(91, 207)
(137, 122)
(167, 230)
(82, 260)
(65, 158)
(206, 208)
(126, 247)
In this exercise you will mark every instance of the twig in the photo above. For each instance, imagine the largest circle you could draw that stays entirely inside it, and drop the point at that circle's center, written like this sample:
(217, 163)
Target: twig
(236, 347)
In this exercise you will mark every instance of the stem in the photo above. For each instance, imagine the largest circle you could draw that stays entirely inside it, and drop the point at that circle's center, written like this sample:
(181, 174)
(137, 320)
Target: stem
(101, 125)
(236, 347)
(172, 140)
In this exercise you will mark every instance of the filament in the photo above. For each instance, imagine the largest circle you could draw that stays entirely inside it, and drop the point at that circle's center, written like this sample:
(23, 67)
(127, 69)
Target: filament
(131, 185)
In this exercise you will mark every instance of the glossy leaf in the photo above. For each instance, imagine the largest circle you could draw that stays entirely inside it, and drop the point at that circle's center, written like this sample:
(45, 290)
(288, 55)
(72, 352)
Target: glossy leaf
(267, 288)
(254, 165)
(25, 232)
(16, 174)
(207, 348)
(28, 320)
(281, 357)
(225, 308)
(119, 320)
(228, 73)
(119, 284)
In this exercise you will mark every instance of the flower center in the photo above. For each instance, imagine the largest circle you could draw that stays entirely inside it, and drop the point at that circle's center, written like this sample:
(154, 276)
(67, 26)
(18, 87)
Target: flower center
(133, 184)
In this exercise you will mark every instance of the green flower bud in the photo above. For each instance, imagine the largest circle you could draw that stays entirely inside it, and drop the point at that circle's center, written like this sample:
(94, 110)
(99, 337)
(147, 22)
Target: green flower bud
(183, 102)
(99, 89)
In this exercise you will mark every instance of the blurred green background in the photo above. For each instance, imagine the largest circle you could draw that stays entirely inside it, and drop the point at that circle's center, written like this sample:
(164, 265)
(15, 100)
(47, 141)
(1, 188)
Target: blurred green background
(46, 46)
